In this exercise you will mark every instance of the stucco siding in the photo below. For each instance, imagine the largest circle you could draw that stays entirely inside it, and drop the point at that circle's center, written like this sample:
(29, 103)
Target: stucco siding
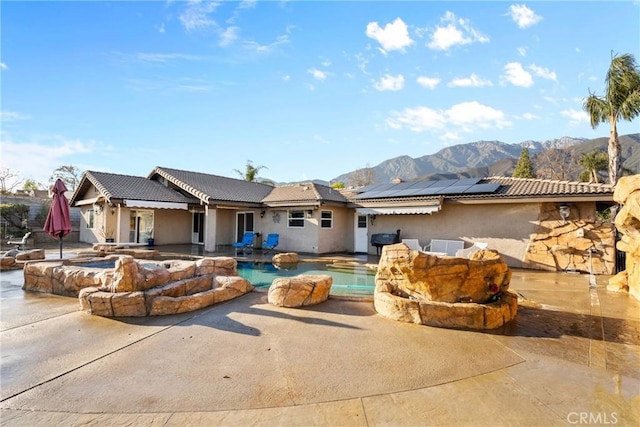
(172, 226)
(506, 227)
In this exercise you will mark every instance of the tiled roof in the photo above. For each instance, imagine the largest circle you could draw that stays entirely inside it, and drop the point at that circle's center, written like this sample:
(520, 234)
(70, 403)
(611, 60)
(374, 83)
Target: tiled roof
(514, 188)
(304, 192)
(210, 188)
(532, 187)
(114, 186)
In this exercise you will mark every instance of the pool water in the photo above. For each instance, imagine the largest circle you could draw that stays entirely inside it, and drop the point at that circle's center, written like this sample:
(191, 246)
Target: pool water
(347, 280)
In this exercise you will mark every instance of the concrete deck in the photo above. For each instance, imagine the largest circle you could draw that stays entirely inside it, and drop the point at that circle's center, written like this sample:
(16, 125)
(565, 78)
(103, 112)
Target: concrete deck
(571, 357)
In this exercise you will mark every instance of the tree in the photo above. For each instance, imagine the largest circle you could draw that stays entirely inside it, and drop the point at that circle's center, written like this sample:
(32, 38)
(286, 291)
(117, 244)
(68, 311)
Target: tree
(524, 167)
(621, 101)
(31, 185)
(251, 172)
(68, 174)
(9, 180)
(593, 163)
(556, 163)
(337, 185)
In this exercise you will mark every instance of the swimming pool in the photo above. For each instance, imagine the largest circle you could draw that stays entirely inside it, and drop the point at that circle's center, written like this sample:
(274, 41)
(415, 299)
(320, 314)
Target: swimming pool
(348, 280)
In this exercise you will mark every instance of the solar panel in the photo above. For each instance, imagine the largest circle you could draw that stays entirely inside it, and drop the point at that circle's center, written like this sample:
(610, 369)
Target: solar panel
(469, 181)
(454, 189)
(422, 184)
(444, 183)
(427, 191)
(483, 188)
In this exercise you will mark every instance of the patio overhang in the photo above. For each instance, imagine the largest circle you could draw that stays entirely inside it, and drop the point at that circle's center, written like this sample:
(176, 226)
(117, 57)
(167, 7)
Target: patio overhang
(149, 204)
(410, 210)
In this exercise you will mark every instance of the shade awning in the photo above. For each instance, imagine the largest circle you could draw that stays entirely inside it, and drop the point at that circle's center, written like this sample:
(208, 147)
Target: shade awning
(415, 210)
(149, 204)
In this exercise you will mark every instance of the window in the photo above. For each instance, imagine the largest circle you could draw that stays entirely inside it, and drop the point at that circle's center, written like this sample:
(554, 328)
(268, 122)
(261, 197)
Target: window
(90, 215)
(296, 219)
(326, 219)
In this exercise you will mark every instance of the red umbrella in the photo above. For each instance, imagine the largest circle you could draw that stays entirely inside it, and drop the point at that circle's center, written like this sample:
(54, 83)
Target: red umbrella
(58, 223)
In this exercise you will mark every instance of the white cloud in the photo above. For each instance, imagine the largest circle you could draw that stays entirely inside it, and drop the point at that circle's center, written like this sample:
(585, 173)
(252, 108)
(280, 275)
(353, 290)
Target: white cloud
(196, 15)
(228, 36)
(515, 74)
(471, 81)
(523, 16)
(576, 117)
(12, 116)
(522, 51)
(389, 82)
(457, 31)
(267, 48)
(393, 36)
(529, 116)
(428, 82)
(545, 73)
(3, 66)
(463, 117)
(44, 156)
(160, 28)
(317, 74)
(165, 57)
(286, 77)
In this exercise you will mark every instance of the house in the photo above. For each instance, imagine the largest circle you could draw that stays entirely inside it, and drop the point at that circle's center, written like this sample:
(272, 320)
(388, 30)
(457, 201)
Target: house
(521, 218)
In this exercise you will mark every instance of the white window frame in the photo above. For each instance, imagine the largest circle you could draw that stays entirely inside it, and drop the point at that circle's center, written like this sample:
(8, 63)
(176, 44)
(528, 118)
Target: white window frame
(291, 218)
(91, 219)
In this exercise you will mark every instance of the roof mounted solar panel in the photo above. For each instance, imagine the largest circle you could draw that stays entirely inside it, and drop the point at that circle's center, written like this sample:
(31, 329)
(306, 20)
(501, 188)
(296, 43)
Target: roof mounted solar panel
(469, 181)
(429, 191)
(422, 184)
(444, 183)
(482, 188)
(454, 189)
(369, 188)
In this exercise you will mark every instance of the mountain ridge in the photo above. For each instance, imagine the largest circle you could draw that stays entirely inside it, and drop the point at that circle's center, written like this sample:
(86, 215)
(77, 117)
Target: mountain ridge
(484, 158)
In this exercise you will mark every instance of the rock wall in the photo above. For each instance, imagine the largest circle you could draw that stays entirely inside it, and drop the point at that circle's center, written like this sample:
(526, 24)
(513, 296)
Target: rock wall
(627, 193)
(581, 243)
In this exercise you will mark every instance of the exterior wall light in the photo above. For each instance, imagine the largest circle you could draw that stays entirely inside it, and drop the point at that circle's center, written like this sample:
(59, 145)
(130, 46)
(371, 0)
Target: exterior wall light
(372, 219)
(565, 211)
(112, 208)
(262, 212)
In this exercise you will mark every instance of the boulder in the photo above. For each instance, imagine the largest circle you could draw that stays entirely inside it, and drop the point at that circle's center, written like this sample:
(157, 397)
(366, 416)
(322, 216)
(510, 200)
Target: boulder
(301, 290)
(285, 258)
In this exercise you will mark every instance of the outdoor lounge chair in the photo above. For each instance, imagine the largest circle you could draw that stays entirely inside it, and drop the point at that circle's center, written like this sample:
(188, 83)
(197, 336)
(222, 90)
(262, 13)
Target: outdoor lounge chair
(412, 244)
(21, 243)
(246, 244)
(271, 242)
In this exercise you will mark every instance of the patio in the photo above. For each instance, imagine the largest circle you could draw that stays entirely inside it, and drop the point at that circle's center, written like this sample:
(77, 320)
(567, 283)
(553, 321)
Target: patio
(572, 354)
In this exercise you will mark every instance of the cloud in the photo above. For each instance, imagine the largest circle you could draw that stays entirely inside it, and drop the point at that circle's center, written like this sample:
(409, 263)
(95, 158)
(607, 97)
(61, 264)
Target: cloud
(515, 74)
(471, 81)
(393, 36)
(196, 15)
(228, 36)
(428, 82)
(529, 116)
(522, 51)
(12, 116)
(457, 31)
(165, 57)
(463, 117)
(389, 82)
(44, 156)
(317, 74)
(266, 48)
(523, 16)
(576, 117)
(3, 66)
(545, 73)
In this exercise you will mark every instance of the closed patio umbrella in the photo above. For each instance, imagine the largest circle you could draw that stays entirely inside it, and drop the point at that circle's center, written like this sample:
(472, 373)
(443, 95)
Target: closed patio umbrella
(58, 223)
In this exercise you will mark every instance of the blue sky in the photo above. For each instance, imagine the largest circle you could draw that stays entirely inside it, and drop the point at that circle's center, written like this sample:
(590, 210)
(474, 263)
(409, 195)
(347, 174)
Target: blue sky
(308, 89)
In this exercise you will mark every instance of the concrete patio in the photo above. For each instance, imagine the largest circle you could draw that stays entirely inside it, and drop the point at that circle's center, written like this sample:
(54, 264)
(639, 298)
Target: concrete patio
(572, 356)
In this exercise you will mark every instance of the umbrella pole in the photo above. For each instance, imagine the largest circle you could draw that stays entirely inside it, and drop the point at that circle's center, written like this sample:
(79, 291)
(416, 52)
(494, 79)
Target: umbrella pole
(60, 238)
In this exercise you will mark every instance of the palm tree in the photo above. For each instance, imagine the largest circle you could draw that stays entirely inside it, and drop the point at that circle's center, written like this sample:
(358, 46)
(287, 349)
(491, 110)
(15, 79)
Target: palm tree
(593, 163)
(621, 101)
(251, 172)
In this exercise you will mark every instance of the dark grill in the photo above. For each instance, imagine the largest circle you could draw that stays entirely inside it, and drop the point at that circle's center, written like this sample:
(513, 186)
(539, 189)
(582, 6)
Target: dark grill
(381, 239)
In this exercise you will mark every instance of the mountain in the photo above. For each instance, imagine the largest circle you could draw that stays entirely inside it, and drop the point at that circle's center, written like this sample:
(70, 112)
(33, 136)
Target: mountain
(485, 158)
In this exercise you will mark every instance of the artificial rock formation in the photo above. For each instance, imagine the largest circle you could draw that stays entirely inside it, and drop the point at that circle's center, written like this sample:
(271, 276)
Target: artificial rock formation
(627, 193)
(134, 288)
(15, 259)
(581, 243)
(300, 291)
(285, 258)
(413, 286)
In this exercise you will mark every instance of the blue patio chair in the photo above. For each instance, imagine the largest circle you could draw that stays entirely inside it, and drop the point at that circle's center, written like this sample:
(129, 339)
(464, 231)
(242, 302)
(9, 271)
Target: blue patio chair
(246, 244)
(271, 242)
